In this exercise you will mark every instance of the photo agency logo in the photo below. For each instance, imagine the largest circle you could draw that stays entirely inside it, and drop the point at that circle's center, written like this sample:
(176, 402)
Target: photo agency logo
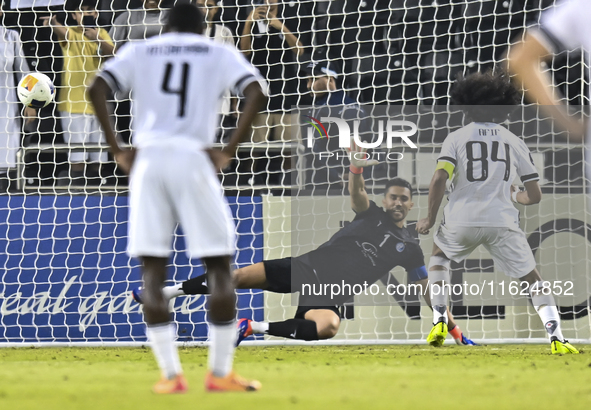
(393, 132)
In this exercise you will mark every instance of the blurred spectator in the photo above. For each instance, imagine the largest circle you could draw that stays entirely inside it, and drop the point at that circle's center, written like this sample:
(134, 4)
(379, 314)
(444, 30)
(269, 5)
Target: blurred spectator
(138, 24)
(14, 67)
(84, 47)
(133, 25)
(218, 32)
(273, 49)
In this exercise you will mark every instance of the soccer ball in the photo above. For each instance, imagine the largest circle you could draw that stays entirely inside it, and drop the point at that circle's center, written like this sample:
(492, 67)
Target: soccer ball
(35, 90)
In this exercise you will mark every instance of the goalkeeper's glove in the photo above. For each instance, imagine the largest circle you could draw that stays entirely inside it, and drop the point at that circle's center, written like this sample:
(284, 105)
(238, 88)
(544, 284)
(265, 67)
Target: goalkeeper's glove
(359, 159)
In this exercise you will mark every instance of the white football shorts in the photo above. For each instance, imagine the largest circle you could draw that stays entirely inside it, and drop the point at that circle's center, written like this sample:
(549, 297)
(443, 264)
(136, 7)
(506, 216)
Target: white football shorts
(508, 247)
(177, 184)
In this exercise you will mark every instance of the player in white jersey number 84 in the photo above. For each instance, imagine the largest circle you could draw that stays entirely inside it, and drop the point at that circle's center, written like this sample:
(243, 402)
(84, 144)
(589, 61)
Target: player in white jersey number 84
(483, 159)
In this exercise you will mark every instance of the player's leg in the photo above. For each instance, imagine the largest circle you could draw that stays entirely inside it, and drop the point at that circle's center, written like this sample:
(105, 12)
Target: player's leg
(453, 328)
(439, 280)
(222, 329)
(207, 222)
(544, 303)
(449, 243)
(249, 277)
(151, 226)
(160, 332)
(310, 323)
(511, 254)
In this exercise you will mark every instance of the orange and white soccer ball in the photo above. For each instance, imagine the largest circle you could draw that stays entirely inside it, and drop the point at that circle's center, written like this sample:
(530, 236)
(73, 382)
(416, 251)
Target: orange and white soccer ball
(36, 90)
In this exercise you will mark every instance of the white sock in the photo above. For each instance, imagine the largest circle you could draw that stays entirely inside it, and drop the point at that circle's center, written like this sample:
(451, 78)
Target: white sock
(173, 291)
(546, 308)
(259, 327)
(439, 302)
(439, 313)
(161, 338)
(221, 349)
(439, 288)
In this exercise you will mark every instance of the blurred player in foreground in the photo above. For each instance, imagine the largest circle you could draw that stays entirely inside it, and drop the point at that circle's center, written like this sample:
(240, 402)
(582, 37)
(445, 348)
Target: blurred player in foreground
(177, 79)
(565, 27)
(482, 159)
(367, 249)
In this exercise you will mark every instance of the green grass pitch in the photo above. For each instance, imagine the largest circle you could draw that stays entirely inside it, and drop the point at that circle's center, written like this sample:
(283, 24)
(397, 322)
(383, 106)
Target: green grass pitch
(315, 377)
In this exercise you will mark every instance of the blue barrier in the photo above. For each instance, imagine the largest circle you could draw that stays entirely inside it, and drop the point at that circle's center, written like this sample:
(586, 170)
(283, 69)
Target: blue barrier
(66, 276)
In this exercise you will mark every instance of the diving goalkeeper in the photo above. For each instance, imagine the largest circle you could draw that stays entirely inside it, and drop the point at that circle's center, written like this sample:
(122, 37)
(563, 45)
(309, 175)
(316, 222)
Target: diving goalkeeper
(374, 243)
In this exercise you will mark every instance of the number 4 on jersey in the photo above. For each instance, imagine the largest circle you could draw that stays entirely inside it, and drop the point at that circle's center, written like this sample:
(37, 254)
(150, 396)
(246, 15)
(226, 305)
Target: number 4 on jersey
(182, 90)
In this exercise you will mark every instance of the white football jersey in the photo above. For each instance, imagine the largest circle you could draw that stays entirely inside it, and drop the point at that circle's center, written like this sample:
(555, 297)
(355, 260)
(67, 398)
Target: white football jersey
(486, 158)
(176, 81)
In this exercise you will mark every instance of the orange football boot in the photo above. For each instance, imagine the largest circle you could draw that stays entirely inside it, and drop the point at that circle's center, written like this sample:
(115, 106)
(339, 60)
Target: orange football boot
(176, 385)
(232, 382)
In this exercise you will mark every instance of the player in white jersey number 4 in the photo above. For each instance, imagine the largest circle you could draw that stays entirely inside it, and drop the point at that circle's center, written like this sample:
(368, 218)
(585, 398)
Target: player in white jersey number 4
(176, 81)
(482, 159)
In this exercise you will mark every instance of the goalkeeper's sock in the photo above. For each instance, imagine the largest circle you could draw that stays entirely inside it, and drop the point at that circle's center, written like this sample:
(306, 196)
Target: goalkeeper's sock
(301, 329)
(546, 308)
(195, 286)
(259, 327)
(173, 291)
(161, 338)
(456, 333)
(222, 337)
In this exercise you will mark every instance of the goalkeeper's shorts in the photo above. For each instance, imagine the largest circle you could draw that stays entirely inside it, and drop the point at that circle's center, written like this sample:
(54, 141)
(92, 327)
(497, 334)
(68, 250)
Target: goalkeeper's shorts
(508, 247)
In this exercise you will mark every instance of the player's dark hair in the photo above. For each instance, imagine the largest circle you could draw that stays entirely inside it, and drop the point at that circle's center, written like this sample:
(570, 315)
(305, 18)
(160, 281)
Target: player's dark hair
(485, 89)
(185, 18)
(398, 182)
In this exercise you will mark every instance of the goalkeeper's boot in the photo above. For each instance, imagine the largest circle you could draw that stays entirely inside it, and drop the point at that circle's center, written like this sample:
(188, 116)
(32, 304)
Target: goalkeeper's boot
(232, 382)
(564, 347)
(244, 330)
(438, 334)
(464, 341)
(176, 385)
(137, 295)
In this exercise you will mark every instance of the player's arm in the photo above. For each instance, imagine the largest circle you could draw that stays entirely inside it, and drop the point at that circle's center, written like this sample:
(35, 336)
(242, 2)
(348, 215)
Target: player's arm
(531, 196)
(359, 198)
(117, 75)
(528, 173)
(436, 192)
(445, 169)
(254, 101)
(523, 60)
(98, 92)
(359, 160)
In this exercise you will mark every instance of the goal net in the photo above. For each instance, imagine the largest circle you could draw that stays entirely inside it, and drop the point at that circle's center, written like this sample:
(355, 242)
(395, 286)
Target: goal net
(66, 277)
